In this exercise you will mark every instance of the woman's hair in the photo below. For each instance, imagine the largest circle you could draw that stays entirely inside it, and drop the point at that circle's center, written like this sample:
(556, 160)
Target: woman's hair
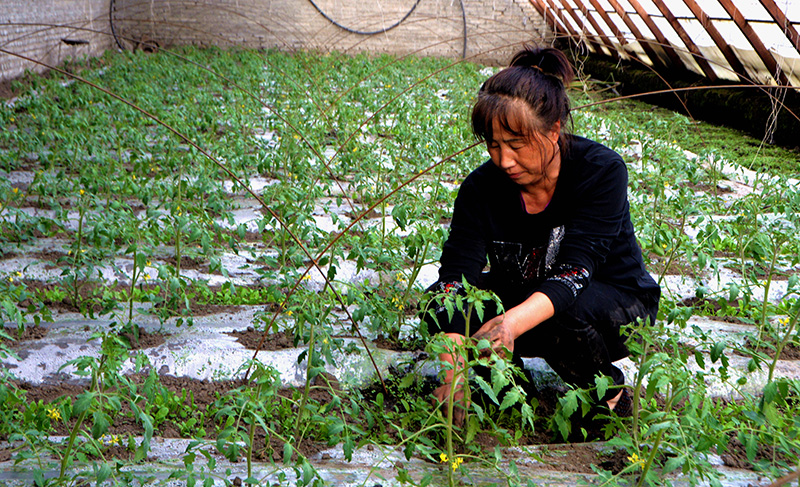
(535, 79)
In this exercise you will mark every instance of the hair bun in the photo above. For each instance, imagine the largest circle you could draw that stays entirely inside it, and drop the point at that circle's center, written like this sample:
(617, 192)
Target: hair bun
(547, 60)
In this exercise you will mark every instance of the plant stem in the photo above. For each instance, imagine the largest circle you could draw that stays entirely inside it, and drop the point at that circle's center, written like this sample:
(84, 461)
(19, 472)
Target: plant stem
(786, 338)
(637, 393)
(307, 388)
(73, 434)
(75, 288)
(252, 435)
(767, 284)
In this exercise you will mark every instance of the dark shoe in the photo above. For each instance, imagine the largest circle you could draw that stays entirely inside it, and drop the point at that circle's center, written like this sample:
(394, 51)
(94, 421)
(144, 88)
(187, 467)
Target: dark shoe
(624, 407)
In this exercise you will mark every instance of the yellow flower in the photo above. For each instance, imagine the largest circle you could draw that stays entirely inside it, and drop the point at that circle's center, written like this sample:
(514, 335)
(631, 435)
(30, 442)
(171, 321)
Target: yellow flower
(13, 119)
(325, 341)
(306, 277)
(443, 457)
(15, 190)
(456, 463)
(133, 176)
(54, 414)
(148, 263)
(783, 321)
(10, 279)
(146, 276)
(82, 192)
(289, 313)
(19, 274)
(297, 137)
(635, 460)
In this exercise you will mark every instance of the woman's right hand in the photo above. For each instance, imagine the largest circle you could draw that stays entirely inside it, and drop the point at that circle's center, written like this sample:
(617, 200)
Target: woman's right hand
(442, 396)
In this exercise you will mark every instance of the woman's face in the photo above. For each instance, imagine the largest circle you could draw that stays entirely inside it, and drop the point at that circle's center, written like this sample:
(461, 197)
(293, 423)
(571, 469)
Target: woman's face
(525, 159)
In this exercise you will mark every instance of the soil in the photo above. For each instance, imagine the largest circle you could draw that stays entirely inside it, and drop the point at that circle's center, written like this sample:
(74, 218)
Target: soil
(187, 262)
(790, 352)
(251, 338)
(579, 458)
(199, 395)
(736, 456)
(199, 309)
(90, 290)
(676, 267)
(143, 339)
(28, 333)
(712, 306)
(707, 188)
(202, 396)
(407, 345)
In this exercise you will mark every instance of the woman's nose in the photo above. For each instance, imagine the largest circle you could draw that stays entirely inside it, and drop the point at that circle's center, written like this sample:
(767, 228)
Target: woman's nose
(506, 158)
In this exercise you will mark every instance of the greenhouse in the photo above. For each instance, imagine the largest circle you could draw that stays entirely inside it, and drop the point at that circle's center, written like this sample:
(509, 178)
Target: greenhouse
(244, 242)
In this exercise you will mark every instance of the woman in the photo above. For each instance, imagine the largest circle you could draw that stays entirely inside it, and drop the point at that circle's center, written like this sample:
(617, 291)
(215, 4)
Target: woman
(550, 211)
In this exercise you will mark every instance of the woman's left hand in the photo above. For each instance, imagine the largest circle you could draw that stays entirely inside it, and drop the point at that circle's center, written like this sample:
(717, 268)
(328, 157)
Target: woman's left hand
(499, 334)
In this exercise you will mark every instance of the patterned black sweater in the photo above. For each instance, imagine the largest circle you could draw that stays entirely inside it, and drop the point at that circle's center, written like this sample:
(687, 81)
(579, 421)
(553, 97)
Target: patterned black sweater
(584, 234)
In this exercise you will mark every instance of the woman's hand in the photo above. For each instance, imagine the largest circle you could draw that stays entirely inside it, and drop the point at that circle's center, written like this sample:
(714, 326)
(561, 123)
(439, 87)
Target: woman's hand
(499, 334)
(442, 395)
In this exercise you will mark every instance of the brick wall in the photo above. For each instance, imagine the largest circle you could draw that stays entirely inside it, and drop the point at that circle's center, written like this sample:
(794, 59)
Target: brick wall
(37, 29)
(494, 28)
(51, 31)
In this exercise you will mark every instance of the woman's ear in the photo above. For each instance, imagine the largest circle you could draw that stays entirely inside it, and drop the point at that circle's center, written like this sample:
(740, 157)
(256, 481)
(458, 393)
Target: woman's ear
(555, 132)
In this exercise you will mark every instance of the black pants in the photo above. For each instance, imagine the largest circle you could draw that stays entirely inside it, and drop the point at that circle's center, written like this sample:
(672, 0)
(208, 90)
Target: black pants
(579, 342)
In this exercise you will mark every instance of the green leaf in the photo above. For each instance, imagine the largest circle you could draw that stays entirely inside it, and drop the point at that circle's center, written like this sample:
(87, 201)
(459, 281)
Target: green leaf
(751, 447)
(510, 398)
(409, 450)
(569, 403)
(478, 411)
(348, 447)
(673, 464)
(654, 428)
(101, 424)
(486, 389)
(287, 452)
(406, 381)
(602, 384)
(701, 361)
(773, 416)
(472, 428)
(716, 351)
(83, 402)
(103, 473)
(308, 472)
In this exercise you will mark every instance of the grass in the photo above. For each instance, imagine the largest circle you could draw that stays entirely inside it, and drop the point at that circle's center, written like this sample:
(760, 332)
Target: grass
(357, 161)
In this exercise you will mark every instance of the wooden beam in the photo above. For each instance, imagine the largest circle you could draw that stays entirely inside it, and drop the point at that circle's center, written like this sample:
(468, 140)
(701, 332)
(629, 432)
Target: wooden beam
(603, 39)
(698, 56)
(720, 41)
(572, 33)
(661, 38)
(766, 57)
(541, 7)
(604, 16)
(648, 49)
(786, 26)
